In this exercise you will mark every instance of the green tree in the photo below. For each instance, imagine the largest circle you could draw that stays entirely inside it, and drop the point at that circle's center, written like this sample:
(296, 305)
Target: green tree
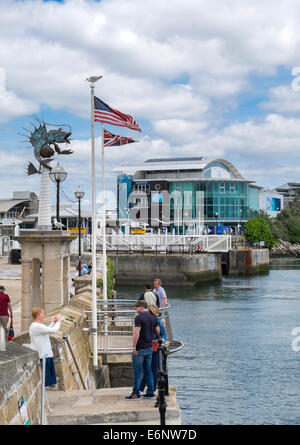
(258, 229)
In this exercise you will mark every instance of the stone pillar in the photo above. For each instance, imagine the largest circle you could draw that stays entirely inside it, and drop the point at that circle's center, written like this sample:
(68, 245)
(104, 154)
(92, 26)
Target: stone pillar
(52, 277)
(27, 300)
(44, 216)
(51, 249)
(36, 283)
(66, 280)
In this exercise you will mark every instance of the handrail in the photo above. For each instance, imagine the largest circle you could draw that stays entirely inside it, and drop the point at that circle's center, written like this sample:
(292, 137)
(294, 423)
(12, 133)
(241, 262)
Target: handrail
(43, 390)
(116, 322)
(75, 361)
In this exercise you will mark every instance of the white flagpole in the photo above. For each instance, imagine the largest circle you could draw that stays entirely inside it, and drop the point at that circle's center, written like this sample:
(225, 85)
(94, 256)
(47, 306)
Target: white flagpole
(104, 267)
(92, 81)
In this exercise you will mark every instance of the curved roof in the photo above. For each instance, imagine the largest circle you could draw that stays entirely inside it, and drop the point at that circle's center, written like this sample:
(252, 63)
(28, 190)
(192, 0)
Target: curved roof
(7, 204)
(168, 164)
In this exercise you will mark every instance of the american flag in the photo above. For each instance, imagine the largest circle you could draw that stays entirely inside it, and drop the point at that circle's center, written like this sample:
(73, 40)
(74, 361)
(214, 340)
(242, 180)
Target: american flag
(113, 140)
(103, 113)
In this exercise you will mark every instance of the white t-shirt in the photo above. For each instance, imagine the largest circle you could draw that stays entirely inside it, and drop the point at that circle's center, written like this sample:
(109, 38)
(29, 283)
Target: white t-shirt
(39, 336)
(150, 298)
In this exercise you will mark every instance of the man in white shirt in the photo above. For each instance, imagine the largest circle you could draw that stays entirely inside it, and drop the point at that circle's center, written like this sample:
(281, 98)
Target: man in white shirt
(40, 341)
(148, 296)
(160, 292)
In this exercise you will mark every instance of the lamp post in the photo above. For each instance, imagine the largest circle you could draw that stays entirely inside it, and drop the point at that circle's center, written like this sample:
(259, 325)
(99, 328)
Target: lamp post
(216, 216)
(79, 195)
(58, 175)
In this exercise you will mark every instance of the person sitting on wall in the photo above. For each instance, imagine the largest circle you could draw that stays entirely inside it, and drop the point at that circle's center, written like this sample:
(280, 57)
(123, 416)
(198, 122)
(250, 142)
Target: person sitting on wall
(84, 269)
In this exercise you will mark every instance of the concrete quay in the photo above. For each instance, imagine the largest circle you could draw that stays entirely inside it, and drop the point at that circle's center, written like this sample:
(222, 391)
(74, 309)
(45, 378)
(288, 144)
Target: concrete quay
(107, 406)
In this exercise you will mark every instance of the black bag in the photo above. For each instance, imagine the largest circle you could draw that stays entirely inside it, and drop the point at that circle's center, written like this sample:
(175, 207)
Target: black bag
(11, 332)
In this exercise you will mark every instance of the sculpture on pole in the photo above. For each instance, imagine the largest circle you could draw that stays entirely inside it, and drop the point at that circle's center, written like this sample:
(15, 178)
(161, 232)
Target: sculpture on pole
(45, 145)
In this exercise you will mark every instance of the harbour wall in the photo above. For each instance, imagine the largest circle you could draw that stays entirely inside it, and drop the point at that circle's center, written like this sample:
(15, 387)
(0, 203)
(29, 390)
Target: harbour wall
(20, 370)
(246, 261)
(173, 270)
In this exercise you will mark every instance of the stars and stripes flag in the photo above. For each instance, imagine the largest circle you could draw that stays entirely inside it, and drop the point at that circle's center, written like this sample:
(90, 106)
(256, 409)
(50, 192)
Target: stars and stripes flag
(113, 140)
(103, 113)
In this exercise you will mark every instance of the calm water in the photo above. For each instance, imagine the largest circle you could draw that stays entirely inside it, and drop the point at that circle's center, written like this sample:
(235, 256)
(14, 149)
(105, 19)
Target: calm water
(237, 366)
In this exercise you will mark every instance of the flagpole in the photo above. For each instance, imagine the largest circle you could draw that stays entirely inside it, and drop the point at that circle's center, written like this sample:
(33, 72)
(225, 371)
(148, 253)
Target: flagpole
(92, 81)
(104, 259)
(104, 278)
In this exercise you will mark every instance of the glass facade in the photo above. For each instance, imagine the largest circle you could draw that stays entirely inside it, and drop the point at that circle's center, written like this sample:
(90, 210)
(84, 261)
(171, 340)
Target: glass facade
(220, 196)
(222, 200)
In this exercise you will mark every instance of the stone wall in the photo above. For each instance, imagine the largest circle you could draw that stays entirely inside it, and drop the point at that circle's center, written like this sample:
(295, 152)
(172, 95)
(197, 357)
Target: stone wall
(72, 327)
(173, 270)
(20, 375)
(247, 261)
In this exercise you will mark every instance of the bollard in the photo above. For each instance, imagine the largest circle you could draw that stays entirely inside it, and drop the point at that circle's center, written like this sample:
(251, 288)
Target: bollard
(2, 339)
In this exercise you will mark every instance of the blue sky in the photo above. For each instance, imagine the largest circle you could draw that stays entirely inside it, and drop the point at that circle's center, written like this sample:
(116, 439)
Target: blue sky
(211, 78)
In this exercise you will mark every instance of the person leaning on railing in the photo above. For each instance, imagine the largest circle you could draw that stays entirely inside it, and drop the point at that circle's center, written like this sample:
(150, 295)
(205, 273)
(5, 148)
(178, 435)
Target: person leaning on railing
(160, 292)
(144, 326)
(40, 341)
(154, 363)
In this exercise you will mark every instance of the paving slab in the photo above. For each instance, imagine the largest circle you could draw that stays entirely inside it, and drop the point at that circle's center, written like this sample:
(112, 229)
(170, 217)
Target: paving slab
(107, 406)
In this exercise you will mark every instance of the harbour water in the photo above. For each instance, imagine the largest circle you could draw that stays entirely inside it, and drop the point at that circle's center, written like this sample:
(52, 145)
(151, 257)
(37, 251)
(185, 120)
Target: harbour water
(238, 365)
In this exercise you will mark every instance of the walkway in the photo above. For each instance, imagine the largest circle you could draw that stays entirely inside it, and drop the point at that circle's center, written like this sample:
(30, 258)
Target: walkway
(107, 406)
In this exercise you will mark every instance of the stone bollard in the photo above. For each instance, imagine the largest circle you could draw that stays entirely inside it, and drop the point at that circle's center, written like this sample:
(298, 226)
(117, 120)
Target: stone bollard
(2, 339)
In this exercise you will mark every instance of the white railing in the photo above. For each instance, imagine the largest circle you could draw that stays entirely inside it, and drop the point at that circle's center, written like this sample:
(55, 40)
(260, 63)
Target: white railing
(167, 243)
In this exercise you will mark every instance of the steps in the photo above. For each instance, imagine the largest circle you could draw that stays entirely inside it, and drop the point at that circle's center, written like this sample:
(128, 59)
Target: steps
(107, 406)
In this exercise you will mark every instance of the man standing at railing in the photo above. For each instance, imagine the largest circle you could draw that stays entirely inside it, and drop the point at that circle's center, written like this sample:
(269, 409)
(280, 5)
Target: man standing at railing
(160, 292)
(145, 326)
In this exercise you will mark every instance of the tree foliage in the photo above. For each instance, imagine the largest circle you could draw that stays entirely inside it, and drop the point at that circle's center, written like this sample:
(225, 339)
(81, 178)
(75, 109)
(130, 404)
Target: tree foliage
(258, 229)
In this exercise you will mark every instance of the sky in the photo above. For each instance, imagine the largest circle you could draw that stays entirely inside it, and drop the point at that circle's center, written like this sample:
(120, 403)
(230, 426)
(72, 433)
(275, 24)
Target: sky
(218, 78)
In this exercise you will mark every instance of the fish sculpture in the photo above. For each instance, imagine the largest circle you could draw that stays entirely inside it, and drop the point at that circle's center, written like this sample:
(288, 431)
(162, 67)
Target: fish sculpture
(45, 145)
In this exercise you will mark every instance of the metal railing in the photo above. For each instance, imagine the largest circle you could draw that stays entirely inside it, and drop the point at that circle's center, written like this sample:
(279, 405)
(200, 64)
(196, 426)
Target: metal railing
(115, 323)
(166, 243)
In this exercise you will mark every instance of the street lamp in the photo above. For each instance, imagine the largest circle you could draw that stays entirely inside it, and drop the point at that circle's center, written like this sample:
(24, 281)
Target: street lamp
(58, 175)
(216, 215)
(79, 195)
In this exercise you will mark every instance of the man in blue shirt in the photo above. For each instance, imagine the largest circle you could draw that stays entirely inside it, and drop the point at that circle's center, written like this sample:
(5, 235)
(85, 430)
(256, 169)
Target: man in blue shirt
(145, 326)
(160, 292)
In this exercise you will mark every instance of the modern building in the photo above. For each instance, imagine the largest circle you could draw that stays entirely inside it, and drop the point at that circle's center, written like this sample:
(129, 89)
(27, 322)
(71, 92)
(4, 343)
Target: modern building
(14, 209)
(287, 190)
(270, 201)
(67, 216)
(185, 195)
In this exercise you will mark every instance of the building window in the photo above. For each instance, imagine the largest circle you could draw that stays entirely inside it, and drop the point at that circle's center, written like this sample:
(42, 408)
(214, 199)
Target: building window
(232, 187)
(222, 187)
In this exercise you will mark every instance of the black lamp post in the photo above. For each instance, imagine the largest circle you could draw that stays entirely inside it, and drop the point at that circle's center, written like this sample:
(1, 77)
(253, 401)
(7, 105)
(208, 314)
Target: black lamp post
(216, 215)
(58, 175)
(79, 195)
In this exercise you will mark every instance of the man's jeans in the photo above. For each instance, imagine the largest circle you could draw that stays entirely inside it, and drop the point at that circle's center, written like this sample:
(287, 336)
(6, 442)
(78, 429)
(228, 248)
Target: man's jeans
(154, 367)
(142, 361)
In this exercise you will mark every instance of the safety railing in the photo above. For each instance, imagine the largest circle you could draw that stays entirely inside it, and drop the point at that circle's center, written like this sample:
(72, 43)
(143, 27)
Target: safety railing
(115, 323)
(166, 243)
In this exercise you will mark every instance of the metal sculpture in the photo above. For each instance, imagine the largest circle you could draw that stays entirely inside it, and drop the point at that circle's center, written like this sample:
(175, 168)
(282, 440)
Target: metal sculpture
(45, 144)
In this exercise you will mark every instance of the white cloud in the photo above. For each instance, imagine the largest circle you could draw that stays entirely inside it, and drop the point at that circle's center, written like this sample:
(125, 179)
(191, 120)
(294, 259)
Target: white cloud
(176, 69)
(283, 99)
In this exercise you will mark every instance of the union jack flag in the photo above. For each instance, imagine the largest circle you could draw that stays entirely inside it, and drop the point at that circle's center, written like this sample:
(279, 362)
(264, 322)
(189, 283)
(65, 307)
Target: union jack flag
(113, 140)
(103, 113)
